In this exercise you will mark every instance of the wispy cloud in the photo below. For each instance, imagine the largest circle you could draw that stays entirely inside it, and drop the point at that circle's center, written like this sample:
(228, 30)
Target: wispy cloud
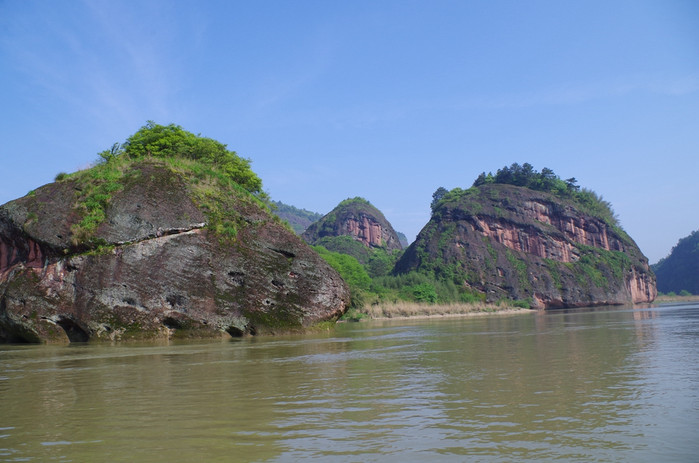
(576, 92)
(98, 62)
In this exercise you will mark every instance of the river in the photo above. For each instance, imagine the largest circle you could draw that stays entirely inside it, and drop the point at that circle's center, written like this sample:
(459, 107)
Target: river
(605, 384)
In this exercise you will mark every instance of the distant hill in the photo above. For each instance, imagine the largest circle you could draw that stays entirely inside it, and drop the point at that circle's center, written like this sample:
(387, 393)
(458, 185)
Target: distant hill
(355, 227)
(680, 270)
(299, 219)
(530, 236)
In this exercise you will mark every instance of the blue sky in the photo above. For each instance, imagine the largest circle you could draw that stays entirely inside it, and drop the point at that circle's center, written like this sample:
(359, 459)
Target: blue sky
(387, 100)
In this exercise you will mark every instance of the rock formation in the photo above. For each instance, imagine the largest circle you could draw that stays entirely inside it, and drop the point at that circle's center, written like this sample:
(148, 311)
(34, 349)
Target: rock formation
(358, 219)
(512, 242)
(162, 263)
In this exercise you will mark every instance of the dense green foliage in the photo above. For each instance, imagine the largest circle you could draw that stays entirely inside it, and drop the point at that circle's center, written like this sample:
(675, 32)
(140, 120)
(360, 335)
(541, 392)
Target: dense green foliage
(679, 271)
(354, 274)
(357, 200)
(526, 176)
(218, 177)
(171, 141)
(373, 281)
(546, 180)
(345, 244)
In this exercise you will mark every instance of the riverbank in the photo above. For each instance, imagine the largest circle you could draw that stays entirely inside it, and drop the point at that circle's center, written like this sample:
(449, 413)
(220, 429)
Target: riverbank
(413, 310)
(666, 299)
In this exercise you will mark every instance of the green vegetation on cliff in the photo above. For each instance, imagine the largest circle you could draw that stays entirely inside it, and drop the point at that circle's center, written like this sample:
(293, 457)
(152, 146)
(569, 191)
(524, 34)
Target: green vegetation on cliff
(370, 270)
(373, 282)
(355, 227)
(679, 271)
(546, 180)
(213, 172)
(172, 141)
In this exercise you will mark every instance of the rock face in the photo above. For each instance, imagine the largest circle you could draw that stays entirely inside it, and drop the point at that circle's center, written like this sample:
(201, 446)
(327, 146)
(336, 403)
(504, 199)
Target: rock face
(154, 267)
(513, 242)
(358, 219)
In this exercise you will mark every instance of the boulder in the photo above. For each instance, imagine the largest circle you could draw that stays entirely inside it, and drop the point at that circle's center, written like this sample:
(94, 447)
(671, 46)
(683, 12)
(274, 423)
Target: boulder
(162, 263)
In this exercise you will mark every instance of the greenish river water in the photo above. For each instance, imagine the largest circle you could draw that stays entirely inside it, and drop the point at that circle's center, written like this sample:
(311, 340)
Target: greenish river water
(607, 384)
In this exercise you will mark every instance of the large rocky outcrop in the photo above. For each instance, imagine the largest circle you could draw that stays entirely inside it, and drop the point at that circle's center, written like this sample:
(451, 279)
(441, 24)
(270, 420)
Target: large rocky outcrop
(358, 219)
(156, 267)
(513, 242)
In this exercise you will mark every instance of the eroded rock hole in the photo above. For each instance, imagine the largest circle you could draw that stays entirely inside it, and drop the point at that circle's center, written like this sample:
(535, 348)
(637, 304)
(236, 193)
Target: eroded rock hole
(235, 332)
(172, 323)
(74, 332)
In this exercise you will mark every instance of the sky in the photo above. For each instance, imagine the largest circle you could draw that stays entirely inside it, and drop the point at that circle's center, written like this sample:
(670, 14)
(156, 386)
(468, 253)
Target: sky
(386, 100)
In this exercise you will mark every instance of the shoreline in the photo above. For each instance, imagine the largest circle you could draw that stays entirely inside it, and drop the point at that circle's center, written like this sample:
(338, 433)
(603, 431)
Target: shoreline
(503, 312)
(670, 299)
(412, 310)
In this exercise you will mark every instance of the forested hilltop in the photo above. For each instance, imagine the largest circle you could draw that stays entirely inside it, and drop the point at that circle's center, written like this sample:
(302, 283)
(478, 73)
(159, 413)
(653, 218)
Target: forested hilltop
(547, 181)
(679, 271)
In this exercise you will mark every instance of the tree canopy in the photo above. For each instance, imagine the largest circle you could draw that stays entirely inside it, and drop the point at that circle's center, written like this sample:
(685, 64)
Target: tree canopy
(526, 176)
(546, 180)
(168, 141)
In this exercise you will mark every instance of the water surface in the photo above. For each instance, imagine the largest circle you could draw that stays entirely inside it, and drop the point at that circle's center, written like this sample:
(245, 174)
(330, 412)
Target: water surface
(586, 385)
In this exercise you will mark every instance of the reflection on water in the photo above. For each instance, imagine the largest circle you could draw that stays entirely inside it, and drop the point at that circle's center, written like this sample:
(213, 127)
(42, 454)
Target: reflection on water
(583, 385)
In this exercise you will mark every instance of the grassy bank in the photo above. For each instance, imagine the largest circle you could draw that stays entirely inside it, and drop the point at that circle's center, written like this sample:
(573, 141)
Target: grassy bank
(404, 309)
(666, 298)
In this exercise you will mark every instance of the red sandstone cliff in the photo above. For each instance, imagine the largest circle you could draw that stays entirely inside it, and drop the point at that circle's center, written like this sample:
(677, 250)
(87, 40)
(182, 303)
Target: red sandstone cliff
(358, 219)
(513, 242)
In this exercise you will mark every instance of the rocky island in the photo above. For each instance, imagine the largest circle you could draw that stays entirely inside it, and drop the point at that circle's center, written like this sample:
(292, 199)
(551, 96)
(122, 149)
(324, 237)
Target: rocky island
(169, 235)
(530, 236)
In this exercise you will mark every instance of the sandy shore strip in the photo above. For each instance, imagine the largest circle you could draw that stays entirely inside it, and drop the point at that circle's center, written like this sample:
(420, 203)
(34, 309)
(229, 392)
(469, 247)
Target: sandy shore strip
(412, 310)
(664, 299)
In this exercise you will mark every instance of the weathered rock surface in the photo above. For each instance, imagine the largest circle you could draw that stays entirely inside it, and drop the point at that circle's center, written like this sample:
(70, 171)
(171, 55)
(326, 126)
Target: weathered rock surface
(358, 219)
(513, 242)
(153, 268)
